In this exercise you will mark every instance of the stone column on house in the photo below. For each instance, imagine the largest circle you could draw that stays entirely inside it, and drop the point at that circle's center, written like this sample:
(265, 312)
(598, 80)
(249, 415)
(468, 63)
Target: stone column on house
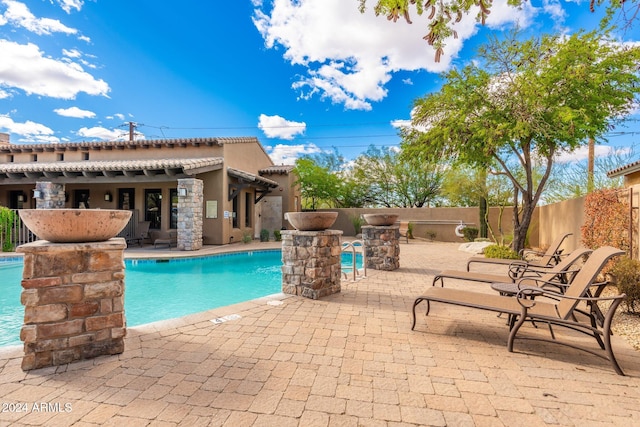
(73, 295)
(382, 246)
(311, 265)
(51, 195)
(190, 208)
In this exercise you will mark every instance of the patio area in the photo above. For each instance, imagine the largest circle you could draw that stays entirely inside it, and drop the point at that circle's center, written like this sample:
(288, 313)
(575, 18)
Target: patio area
(349, 359)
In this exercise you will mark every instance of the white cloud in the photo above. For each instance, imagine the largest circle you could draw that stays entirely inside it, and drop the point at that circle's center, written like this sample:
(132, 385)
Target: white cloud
(25, 67)
(279, 127)
(18, 14)
(74, 112)
(287, 154)
(118, 116)
(4, 94)
(72, 53)
(67, 5)
(350, 56)
(582, 153)
(502, 14)
(98, 132)
(29, 131)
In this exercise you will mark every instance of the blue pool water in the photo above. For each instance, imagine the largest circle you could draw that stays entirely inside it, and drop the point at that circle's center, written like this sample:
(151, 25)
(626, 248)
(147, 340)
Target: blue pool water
(161, 289)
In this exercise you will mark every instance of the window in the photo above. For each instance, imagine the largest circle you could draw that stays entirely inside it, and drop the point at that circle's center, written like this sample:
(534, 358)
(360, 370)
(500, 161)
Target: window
(85, 156)
(234, 213)
(247, 209)
(81, 199)
(60, 157)
(173, 209)
(126, 198)
(34, 157)
(153, 207)
(10, 158)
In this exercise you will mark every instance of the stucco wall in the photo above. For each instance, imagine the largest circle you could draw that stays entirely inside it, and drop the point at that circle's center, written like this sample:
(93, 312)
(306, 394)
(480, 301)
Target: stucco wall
(441, 221)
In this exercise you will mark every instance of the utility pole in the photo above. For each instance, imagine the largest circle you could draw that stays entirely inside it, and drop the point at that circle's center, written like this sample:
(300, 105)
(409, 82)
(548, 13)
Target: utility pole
(132, 128)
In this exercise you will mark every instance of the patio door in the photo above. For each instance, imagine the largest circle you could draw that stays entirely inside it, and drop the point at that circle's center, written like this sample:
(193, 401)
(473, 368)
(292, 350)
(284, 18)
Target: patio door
(153, 208)
(81, 199)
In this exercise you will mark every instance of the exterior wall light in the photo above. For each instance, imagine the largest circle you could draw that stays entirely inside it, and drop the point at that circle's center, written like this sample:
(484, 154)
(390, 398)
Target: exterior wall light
(37, 194)
(107, 196)
(182, 192)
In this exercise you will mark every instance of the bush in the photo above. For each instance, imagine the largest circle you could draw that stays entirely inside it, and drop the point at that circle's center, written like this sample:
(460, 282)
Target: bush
(246, 237)
(410, 231)
(470, 233)
(626, 274)
(7, 218)
(357, 222)
(499, 251)
(277, 235)
(264, 235)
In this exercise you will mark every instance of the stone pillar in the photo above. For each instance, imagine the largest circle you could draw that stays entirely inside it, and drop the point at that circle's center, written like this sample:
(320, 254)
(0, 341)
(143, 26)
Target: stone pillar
(382, 246)
(190, 207)
(311, 264)
(73, 294)
(51, 195)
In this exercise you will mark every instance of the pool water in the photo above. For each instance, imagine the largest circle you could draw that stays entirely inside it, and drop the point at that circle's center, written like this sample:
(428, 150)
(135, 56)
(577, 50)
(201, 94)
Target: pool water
(166, 289)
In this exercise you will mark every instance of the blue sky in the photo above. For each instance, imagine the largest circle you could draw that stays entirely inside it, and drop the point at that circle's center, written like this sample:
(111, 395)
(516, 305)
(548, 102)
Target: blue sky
(302, 76)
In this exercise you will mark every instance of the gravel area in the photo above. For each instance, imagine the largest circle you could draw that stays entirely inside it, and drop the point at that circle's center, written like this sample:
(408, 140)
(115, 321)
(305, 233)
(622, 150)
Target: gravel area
(625, 324)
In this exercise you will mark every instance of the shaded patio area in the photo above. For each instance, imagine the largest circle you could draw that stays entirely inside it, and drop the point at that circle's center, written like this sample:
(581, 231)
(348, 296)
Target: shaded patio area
(349, 359)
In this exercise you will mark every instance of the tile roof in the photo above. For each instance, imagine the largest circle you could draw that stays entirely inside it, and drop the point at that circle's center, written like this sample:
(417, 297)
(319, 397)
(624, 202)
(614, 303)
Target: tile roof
(251, 177)
(32, 169)
(277, 169)
(624, 170)
(62, 146)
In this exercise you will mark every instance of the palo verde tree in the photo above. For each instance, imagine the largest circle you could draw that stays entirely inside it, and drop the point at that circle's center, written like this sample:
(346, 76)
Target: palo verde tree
(442, 16)
(522, 103)
(394, 180)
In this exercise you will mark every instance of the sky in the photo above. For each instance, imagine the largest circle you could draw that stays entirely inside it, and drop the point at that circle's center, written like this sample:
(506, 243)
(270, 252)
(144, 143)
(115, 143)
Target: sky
(303, 76)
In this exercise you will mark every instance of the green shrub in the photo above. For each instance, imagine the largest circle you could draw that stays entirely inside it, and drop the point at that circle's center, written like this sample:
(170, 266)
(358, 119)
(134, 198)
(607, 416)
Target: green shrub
(246, 237)
(7, 218)
(499, 251)
(626, 274)
(470, 233)
(277, 235)
(357, 222)
(264, 235)
(410, 231)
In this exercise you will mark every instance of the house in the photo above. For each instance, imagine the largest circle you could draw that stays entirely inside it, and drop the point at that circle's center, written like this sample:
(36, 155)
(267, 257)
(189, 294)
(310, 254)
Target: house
(208, 191)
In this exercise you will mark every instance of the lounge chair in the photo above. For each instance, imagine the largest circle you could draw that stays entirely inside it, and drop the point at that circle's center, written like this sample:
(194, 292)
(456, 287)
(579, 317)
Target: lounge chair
(140, 234)
(551, 256)
(163, 238)
(519, 271)
(561, 309)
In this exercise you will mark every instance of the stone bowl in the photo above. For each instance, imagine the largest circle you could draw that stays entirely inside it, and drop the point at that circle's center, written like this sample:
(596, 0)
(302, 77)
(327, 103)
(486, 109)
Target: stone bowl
(380, 219)
(75, 225)
(311, 221)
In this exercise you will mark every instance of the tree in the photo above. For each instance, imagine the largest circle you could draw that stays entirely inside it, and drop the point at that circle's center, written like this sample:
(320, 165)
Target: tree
(394, 180)
(443, 15)
(523, 103)
(318, 185)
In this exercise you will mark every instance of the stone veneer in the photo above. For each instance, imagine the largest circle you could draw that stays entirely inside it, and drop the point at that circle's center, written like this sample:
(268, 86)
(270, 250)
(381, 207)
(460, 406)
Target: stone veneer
(190, 209)
(382, 246)
(311, 265)
(73, 294)
(52, 195)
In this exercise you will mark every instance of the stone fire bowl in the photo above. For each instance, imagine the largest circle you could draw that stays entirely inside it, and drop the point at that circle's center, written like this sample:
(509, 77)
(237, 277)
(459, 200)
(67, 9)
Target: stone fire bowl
(75, 225)
(311, 221)
(380, 219)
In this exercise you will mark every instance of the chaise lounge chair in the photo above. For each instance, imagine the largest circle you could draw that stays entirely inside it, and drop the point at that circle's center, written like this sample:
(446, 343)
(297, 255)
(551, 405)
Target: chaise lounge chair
(519, 270)
(560, 309)
(551, 256)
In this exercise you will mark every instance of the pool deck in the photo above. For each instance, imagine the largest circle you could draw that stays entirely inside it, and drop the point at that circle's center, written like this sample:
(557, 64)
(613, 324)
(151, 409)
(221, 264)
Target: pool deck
(349, 359)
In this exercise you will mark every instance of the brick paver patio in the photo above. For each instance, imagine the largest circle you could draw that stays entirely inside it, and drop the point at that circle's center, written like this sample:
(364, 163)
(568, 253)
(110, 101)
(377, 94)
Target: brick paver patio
(346, 360)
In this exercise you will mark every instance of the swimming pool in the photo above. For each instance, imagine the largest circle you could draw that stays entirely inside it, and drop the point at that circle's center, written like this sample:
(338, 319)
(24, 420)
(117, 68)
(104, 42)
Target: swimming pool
(166, 289)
